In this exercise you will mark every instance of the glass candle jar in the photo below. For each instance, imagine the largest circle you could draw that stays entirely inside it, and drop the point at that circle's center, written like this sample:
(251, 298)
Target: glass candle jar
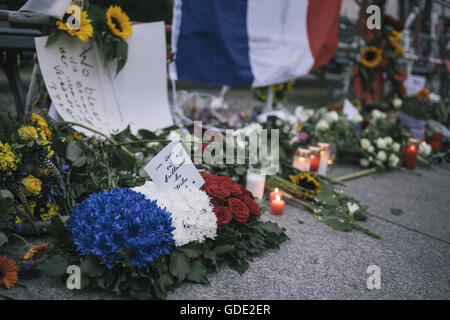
(255, 182)
(315, 159)
(302, 159)
(436, 141)
(410, 154)
(324, 157)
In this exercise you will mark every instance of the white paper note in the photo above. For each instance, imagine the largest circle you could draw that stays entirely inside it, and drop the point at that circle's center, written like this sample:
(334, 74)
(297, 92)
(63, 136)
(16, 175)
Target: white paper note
(349, 110)
(414, 84)
(53, 8)
(173, 169)
(86, 92)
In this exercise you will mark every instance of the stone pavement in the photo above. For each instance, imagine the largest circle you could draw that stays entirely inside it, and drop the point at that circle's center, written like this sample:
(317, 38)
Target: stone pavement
(321, 263)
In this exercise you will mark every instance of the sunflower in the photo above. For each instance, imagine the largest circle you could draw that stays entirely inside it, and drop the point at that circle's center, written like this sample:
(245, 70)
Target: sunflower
(36, 252)
(307, 182)
(8, 272)
(84, 32)
(395, 37)
(118, 22)
(371, 57)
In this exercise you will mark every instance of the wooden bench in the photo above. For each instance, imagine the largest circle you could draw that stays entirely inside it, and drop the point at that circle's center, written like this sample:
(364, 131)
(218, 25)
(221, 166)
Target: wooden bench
(13, 42)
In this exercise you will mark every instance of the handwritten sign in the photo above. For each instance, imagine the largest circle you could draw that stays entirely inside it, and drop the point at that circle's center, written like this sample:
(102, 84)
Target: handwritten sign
(414, 84)
(83, 90)
(53, 8)
(173, 169)
(349, 110)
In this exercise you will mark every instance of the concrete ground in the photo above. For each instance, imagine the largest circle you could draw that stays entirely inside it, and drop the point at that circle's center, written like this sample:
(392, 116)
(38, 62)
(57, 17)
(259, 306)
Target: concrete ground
(319, 262)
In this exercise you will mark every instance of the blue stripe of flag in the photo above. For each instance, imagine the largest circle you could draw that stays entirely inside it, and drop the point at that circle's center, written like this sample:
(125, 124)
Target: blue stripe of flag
(213, 43)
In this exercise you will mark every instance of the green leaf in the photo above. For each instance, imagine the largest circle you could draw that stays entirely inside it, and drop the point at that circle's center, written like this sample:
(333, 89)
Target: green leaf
(92, 267)
(75, 154)
(397, 212)
(121, 279)
(271, 227)
(191, 250)
(3, 240)
(179, 266)
(198, 273)
(52, 38)
(122, 55)
(164, 282)
(54, 266)
(239, 266)
(221, 250)
(339, 225)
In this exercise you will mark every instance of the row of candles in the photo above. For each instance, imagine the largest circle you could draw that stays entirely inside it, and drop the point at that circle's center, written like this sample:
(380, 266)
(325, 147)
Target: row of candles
(313, 158)
(316, 159)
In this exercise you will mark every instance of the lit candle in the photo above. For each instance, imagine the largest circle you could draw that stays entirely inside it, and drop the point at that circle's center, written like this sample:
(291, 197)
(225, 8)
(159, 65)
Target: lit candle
(436, 141)
(410, 154)
(302, 159)
(274, 193)
(315, 159)
(255, 182)
(277, 206)
(324, 157)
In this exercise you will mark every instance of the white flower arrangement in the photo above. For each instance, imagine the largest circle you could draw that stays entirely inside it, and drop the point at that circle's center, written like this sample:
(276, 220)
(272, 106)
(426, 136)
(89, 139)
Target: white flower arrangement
(322, 125)
(192, 212)
(377, 114)
(331, 117)
(397, 103)
(382, 152)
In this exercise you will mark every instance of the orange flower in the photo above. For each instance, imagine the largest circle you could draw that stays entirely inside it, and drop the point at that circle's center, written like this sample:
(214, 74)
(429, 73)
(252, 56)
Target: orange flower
(37, 252)
(8, 272)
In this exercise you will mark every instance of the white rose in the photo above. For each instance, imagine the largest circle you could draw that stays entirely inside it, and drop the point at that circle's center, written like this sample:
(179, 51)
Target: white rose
(388, 140)
(381, 143)
(331, 117)
(377, 114)
(286, 129)
(370, 149)
(278, 123)
(393, 160)
(365, 143)
(370, 159)
(322, 125)
(397, 103)
(435, 97)
(382, 156)
(424, 149)
(364, 163)
(396, 147)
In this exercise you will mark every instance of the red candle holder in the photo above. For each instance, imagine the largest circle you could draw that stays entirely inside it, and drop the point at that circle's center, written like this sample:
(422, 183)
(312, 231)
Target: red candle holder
(315, 159)
(436, 141)
(410, 154)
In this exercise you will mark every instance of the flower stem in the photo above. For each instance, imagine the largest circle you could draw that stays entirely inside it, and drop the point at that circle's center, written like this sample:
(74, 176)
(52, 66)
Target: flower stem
(6, 296)
(358, 174)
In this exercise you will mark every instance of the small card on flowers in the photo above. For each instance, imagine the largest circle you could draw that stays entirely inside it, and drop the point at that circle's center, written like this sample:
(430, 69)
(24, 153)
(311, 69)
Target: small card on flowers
(173, 169)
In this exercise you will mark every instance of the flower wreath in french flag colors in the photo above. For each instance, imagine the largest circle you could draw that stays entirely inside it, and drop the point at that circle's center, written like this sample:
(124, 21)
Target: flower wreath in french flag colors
(231, 201)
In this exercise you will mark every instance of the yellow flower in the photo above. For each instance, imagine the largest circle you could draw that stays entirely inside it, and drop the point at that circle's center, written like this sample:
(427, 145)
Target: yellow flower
(32, 186)
(399, 51)
(395, 37)
(423, 94)
(43, 125)
(311, 187)
(76, 135)
(371, 57)
(28, 133)
(19, 220)
(53, 209)
(118, 22)
(85, 31)
(8, 159)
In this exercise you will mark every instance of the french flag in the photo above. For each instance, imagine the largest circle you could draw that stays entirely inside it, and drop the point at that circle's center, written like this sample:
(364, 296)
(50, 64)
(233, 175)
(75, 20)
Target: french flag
(252, 42)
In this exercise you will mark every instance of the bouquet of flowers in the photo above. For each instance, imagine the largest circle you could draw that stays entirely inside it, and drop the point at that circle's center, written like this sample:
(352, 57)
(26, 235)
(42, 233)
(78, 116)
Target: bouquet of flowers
(381, 152)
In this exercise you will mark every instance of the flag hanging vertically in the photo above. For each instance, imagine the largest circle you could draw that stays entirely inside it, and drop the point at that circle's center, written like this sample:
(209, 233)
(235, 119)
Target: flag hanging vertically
(252, 42)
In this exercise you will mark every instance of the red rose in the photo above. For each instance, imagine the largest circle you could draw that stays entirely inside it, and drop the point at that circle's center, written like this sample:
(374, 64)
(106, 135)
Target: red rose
(253, 207)
(223, 215)
(216, 191)
(239, 210)
(247, 193)
(234, 188)
(216, 202)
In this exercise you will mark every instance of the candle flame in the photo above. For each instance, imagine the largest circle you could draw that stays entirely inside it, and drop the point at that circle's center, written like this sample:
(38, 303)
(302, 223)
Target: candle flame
(330, 161)
(277, 197)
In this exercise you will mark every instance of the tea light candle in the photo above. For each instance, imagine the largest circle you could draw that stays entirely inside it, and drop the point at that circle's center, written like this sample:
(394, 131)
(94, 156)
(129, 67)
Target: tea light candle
(436, 141)
(324, 157)
(277, 206)
(274, 193)
(410, 154)
(315, 159)
(255, 182)
(302, 159)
